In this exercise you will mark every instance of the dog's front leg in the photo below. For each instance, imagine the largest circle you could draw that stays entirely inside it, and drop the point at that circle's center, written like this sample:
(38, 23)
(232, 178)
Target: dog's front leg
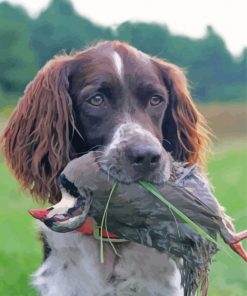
(72, 266)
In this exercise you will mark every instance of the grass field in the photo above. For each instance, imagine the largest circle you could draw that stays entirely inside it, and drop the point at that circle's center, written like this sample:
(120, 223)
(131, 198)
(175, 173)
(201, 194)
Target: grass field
(20, 252)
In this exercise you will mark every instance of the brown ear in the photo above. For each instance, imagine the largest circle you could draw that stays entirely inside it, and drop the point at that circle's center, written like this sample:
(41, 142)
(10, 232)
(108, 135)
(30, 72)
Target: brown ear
(184, 129)
(36, 140)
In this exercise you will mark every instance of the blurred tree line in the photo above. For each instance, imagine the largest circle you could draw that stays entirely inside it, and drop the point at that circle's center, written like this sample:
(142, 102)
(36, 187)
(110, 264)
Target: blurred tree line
(26, 44)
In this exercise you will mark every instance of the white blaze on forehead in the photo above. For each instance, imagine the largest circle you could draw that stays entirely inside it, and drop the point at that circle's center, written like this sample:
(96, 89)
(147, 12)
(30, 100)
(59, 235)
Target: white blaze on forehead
(118, 63)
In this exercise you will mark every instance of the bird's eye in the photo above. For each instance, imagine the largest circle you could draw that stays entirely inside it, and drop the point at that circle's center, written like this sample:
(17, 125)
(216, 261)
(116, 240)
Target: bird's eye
(96, 100)
(155, 100)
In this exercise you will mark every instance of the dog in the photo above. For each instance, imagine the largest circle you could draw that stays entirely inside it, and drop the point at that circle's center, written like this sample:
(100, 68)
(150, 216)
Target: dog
(129, 107)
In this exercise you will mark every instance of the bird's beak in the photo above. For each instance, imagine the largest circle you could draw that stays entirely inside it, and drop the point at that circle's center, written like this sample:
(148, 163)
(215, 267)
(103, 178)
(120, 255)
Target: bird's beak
(39, 214)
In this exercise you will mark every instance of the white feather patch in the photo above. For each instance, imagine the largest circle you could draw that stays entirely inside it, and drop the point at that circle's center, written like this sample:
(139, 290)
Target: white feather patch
(67, 202)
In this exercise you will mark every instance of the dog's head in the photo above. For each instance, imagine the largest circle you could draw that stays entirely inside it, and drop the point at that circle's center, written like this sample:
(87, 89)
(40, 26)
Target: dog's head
(130, 107)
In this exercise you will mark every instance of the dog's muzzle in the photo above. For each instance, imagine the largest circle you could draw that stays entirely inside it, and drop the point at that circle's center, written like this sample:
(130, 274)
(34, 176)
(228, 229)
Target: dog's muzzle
(135, 153)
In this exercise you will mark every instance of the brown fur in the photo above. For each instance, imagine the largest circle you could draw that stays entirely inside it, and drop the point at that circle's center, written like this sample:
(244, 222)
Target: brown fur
(37, 140)
(191, 138)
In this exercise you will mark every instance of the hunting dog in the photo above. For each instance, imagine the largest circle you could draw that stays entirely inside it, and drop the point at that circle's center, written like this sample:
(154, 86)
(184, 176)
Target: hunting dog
(93, 100)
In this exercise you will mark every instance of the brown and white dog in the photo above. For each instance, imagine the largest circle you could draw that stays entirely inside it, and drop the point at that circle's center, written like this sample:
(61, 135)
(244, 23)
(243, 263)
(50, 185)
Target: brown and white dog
(127, 105)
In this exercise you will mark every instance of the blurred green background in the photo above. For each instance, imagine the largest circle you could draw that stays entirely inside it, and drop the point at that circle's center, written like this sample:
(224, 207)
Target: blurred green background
(218, 83)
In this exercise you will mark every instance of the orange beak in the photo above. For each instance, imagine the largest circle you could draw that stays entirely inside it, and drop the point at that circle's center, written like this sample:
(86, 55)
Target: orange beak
(39, 214)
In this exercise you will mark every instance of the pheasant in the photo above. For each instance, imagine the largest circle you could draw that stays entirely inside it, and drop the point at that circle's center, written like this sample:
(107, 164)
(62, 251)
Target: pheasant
(134, 214)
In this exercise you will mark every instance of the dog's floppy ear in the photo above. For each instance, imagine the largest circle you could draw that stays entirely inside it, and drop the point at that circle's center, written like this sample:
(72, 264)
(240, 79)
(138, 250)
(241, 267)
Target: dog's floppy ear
(36, 139)
(184, 129)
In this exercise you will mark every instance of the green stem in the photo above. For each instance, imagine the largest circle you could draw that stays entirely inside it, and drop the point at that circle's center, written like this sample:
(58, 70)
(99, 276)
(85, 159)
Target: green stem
(102, 222)
(154, 191)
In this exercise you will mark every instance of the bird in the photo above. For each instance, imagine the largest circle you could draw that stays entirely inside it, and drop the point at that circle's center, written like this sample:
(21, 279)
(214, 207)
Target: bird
(134, 214)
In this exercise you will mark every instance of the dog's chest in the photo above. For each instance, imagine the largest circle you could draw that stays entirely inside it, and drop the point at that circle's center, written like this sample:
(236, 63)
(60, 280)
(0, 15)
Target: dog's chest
(145, 271)
(73, 268)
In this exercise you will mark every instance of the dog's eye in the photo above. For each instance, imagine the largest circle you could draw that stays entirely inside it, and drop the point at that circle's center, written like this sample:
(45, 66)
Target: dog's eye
(155, 100)
(96, 100)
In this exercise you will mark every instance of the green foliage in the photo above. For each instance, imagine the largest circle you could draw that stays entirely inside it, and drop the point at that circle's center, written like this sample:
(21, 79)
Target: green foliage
(150, 38)
(61, 28)
(17, 60)
(26, 45)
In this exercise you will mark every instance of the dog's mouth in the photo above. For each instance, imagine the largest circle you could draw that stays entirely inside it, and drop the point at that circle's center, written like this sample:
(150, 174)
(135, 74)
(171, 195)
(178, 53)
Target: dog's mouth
(127, 174)
(134, 153)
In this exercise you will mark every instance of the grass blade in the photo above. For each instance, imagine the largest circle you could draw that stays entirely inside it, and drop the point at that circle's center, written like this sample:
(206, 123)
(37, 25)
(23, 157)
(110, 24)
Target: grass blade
(102, 222)
(157, 194)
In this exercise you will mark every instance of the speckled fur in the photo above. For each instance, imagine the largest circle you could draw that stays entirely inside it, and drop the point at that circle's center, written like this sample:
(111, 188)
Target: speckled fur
(73, 268)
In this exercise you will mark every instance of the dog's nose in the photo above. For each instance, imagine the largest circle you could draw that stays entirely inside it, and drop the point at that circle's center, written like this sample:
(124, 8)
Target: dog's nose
(143, 157)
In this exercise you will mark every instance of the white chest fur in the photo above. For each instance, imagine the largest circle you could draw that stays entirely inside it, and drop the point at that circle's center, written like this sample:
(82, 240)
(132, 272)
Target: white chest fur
(73, 268)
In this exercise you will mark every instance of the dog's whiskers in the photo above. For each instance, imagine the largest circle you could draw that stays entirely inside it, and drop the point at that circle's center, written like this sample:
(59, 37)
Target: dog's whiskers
(167, 141)
(108, 172)
(96, 146)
